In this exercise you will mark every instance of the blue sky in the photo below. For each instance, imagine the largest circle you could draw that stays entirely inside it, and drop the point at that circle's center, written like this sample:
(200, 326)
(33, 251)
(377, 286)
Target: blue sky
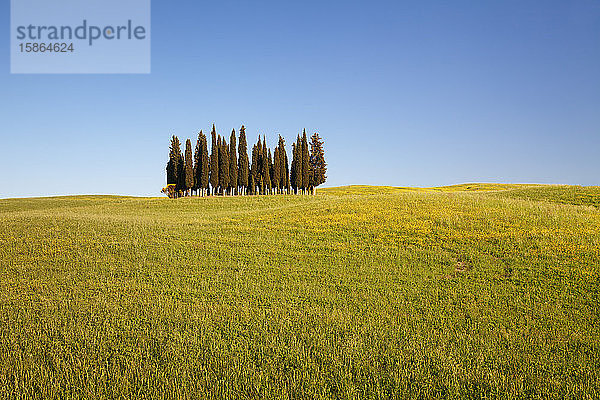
(404, 93)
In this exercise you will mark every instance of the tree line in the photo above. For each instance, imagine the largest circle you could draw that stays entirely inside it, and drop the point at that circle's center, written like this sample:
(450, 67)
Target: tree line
(228, 171)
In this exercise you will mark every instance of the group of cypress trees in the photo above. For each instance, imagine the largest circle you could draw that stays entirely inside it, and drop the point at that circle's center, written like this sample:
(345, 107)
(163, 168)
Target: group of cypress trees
(223, 172)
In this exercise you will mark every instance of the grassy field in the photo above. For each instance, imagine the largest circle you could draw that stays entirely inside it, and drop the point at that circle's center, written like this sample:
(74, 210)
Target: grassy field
(469, 291)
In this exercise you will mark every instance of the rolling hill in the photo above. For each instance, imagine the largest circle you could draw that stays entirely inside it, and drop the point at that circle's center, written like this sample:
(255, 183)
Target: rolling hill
(470, 291)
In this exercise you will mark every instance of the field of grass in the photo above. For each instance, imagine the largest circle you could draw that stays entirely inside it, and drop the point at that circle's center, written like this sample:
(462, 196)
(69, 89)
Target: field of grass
(472, 291)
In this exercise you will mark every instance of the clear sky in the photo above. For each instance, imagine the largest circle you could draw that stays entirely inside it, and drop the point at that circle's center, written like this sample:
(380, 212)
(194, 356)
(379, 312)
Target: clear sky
(413, 93)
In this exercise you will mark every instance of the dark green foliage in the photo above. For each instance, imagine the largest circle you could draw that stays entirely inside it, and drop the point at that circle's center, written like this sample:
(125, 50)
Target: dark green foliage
(254, 168)
(214, 161)
(318, 166)
(259, 160)
(305, 162)
(205, 164)
(293, 167)
(259, 157)
(298, 180)
(197, 162)
(189, 167)
(180, 174)
(270, 184)
(172, 164)
(259, 173)
(286, 170)
(175, 166)
(251, 185)
(223, 165)
(264, 163)
(201, 164)
(233, 172)
(282, 168)
(243, 164)
(276, 169)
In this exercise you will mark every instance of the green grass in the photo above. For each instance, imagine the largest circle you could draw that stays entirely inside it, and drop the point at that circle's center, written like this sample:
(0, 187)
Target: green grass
(576, 195)
(472, 291)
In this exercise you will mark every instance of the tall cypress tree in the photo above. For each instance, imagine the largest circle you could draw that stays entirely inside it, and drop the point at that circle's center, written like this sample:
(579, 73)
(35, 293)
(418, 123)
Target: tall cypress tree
(189, 168)
(214, 161)
(298, 167)
(318, 166)
(251, 185)
(293, 168)
(243, 164)
(220, 164)
(286, 171)
(180, 174)
(226, 179)
(259, 166)
(261, 185)
(174, 151)
(266, 181)
(254, 170)
(198, 163)
(270, 183)
(223, 165)
(204, 164)
(277, 169)
(233, 172)
(173, 164)
(305, 163)
(281, 160)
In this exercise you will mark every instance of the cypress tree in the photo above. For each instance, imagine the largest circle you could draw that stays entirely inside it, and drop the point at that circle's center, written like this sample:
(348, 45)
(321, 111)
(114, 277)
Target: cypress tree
(174, 151)
(318, 166)
(259, 157)
(198, 164)
(203, 165)
(282, 182)
(243, 164)
(259, 166)
(220, 164)
(223, 166)
(298, 165)
(217, 190)
(293, 168)
(277, 170)
(233, 172)
(189, 168)
(286, 170)
(254, 169)
(180, 174)
(252, 185)
(214, 161)
(305, 163)
(270, 183)
(173, 164)
(266, 181)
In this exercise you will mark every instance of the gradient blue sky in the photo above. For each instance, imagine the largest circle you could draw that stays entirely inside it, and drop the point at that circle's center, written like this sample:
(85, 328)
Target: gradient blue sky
(404, 93)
